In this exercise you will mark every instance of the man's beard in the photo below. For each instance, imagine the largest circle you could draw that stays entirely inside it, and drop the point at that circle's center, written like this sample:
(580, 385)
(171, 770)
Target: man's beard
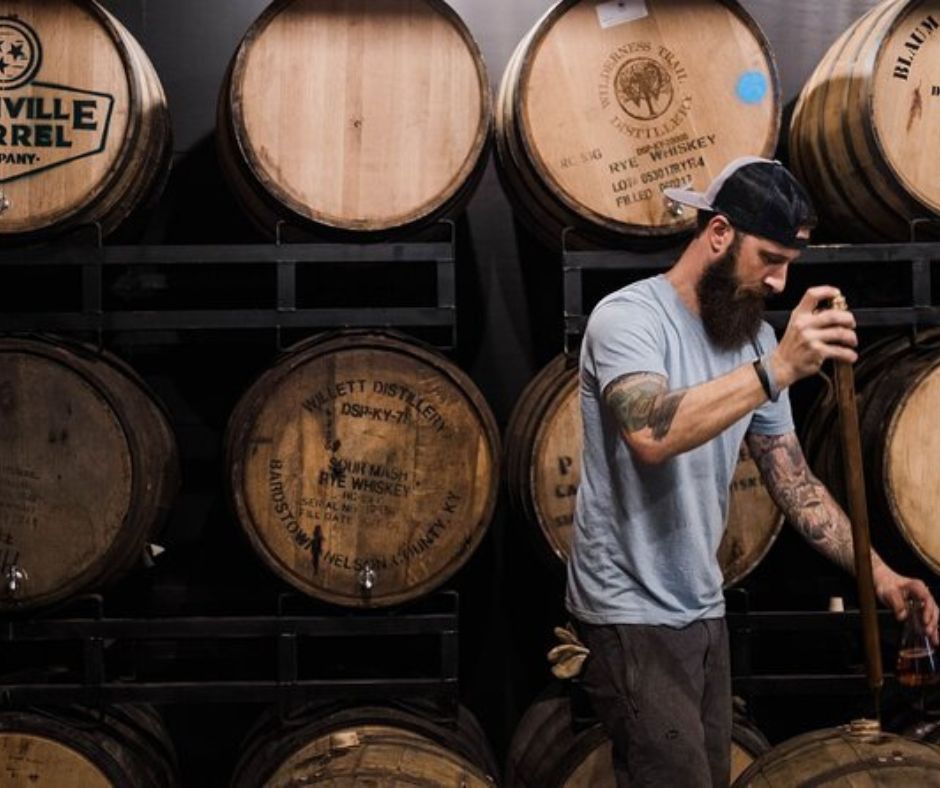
(731, 315)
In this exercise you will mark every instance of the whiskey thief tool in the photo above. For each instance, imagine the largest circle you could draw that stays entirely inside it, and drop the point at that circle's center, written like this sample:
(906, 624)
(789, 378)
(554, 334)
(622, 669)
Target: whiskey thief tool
(858, 514)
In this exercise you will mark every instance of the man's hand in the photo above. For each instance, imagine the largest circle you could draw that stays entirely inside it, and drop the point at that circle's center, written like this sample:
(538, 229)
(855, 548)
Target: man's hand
(812, 336)
(893, 590)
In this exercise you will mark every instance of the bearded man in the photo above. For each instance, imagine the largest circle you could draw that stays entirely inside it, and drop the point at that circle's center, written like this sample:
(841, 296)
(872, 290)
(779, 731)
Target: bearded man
(675, 371)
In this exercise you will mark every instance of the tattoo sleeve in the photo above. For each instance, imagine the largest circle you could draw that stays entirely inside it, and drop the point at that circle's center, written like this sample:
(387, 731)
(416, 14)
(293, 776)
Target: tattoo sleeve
(642, 400)
(804, 500)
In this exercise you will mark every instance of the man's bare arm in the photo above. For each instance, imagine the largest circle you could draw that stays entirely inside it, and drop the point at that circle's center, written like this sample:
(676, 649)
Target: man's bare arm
(808, 506)
(641, 401)
(803, 499)
(658, 423)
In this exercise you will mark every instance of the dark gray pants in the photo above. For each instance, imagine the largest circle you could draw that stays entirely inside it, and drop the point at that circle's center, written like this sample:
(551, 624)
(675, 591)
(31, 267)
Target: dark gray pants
(664, 697)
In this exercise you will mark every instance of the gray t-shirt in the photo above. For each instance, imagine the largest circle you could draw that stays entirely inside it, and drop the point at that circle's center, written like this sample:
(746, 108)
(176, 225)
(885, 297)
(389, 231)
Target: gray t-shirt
(646, 537)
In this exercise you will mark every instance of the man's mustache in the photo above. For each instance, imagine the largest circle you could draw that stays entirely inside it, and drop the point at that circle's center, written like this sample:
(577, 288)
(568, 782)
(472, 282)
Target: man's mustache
(755, 293)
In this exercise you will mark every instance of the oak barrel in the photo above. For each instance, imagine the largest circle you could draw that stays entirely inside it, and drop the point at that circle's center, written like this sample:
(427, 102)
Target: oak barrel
(898, 384)
(366, 745)
(363, 468)
(550, 749)
(380, 122)
(864, 129)
(77, 747)
(849, 755)
(542, 467)
(88, 469)
(85, 132)
(604, 105)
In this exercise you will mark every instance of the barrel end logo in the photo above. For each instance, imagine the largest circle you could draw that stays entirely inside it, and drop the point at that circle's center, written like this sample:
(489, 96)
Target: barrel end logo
(20, 53)
(47, 125)
(644, 88)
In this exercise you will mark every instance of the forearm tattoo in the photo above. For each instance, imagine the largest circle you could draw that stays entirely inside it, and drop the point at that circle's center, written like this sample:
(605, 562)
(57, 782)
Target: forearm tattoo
(804, 500)
(641, 400)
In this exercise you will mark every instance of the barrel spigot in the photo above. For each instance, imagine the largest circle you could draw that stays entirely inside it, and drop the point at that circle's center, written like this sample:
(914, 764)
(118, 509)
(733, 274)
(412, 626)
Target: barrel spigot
(14, 578)
(675, 208)
(367, 578)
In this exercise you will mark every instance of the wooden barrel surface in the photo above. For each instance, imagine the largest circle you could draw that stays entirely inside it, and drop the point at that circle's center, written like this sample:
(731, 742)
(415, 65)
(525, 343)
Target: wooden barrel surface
(88, 469)
(543, 469)
(549, 751)
(84, 128)
(378, 746)
(840, 757)
(82, 748)
(863, 129)
(364, 468)
(900, 442)
(380, 122)
(604, 105)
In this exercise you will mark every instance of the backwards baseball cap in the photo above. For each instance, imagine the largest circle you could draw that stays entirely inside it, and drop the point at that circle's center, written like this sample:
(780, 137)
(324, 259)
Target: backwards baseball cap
(758, 196)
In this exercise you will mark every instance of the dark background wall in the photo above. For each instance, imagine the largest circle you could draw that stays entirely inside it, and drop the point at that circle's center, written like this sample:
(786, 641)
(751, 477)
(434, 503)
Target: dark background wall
(509, 316)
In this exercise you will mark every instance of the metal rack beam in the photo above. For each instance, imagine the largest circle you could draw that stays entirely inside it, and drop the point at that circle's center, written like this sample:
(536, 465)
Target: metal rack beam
(918, 308)
(95, 675)
(281, 310)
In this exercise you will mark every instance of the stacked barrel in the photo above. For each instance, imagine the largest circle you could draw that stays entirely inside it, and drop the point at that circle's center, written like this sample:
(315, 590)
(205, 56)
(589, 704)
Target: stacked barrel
(86, 131)
(864, 127)
(602, 107)
(363, 468)
(380, 122)
(88, 474)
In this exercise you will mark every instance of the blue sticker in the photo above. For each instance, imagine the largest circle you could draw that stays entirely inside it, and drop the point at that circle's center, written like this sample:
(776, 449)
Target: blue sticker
(751, 87)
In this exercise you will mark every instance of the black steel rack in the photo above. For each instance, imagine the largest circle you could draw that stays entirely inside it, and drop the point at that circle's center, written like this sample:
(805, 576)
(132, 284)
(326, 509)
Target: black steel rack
(749, 627)
(284, 308)
(93, 643)
(89, 647)
(917, 310)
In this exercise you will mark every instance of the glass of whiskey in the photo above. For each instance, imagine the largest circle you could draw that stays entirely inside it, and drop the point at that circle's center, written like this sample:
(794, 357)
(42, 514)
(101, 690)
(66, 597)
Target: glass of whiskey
(918, 663)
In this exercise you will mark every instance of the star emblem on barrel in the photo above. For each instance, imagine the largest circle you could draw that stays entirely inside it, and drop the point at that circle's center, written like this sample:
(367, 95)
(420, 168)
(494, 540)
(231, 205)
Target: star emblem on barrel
(20, 53)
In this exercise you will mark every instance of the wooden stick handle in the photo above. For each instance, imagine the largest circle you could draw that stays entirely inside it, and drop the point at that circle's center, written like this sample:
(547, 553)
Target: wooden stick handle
(858, 512)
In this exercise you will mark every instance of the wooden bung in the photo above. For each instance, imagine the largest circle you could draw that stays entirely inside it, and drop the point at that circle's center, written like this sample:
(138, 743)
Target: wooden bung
(380, 120)
(604, 105)
(363, 468)
(543, 470)
(863, 133)
(84, 128)
(88, 469)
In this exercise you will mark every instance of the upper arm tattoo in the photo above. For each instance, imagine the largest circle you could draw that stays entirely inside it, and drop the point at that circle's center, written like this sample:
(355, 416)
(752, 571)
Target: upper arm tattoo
(642, 400)
(804, 499)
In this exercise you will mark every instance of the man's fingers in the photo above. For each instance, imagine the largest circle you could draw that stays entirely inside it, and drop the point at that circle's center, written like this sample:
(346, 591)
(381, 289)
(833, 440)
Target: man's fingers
(929, 612)
(834, 351)
(812, 297)
(837, 336)
(827, 318)
(896, 601)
